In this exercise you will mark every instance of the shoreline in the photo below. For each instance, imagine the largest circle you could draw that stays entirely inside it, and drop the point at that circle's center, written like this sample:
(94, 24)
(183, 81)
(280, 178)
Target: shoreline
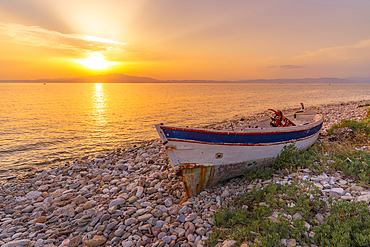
(23, 169)
(127, 197)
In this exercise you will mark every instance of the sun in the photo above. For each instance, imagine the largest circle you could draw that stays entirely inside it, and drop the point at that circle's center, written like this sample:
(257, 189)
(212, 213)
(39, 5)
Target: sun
(95, 61)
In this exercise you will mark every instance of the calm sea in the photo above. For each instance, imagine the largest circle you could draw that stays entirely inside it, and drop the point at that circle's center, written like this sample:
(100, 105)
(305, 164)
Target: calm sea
(42, 125)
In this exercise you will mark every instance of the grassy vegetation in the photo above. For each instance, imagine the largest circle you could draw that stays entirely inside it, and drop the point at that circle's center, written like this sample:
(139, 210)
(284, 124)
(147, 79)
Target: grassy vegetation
(348, 225)
(248, 218)
(367, 104)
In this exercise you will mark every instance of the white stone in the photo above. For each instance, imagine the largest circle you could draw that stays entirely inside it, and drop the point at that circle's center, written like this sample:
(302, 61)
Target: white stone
(130, 221)
(20, 200)
(339, 191)
(365, 198)
(68, 211)
(225, 193)
(142, 211)
(180, 232)
(87, 187)
(33, 195)
(291, 242)
(145, 204)
(183, 209)
(161, 207)
(43, 188)
(197, 239)
(40, 242)
(18, 243)
(139, 191)
(348, 198)
(159, 223)
(117, 202)
(38, 183)
(113, 190)
(191, 217)
(168, 202)
(68, 191)
(166, 239)
(127, 244)
(229, 243)
(28, 209)
(16, 235)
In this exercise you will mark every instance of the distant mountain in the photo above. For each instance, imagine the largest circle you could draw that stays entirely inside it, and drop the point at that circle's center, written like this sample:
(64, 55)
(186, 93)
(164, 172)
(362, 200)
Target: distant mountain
(312, 81)
(359, 79)
(110, 78)
(351, 80)
(120, 78)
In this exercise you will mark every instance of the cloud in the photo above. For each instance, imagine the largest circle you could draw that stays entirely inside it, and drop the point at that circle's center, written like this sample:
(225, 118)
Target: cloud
(288, 66)
(357, 51)
(340, 61)
(40, 37)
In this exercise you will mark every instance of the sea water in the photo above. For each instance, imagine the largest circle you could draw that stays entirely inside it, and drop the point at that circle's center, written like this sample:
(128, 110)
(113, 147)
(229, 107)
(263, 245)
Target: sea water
(43, 124)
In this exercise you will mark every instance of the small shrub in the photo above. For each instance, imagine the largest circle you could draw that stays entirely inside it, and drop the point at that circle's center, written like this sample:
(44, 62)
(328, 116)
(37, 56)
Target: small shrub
(354, 164)
(291, 159)
(361, 128)
(224, 217)
(246, 217)
(286, 158)
(367, 104)
(264, 172)
(348, 225)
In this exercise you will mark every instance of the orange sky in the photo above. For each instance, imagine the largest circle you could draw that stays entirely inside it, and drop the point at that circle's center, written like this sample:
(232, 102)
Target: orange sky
(177, 39)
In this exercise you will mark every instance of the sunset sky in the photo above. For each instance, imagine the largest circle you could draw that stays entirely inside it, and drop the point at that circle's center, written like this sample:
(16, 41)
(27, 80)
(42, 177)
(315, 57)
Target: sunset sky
(185, 39)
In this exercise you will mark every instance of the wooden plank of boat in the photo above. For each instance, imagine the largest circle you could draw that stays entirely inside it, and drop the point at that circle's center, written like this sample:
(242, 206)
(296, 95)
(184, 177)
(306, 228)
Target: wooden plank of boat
(206, 157)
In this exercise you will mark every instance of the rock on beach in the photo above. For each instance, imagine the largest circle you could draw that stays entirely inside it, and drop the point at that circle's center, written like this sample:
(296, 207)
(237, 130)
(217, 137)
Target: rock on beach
(133, 198)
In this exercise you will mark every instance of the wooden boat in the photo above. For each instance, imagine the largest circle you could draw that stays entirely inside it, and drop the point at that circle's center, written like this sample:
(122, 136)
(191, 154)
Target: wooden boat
(206, 157)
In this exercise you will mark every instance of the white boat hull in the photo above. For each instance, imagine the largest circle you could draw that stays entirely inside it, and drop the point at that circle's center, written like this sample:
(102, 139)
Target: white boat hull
(204, 158)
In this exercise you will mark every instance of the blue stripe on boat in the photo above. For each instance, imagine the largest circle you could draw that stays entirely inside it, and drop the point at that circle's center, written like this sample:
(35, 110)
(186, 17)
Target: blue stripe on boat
(249, 139)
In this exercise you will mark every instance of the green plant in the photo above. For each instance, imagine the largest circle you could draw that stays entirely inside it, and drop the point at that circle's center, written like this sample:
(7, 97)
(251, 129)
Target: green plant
(353, 164)
(287, 158)
(264, 172)
(361, 128)
(367, 104)
(299, 230)
(246, 217)
(291, 159)
(348, 225)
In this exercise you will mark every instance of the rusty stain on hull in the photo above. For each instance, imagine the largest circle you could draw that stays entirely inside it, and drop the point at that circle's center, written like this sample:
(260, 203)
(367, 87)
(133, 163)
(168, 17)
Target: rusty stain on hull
(211, 175)
(195, 177)
(202, 179)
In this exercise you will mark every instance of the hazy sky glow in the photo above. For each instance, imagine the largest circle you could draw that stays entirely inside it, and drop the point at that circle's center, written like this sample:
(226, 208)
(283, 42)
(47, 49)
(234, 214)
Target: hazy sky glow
(176, 39)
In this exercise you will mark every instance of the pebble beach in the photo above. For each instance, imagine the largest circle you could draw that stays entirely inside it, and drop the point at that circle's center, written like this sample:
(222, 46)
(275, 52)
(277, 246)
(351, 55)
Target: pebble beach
(132, 198)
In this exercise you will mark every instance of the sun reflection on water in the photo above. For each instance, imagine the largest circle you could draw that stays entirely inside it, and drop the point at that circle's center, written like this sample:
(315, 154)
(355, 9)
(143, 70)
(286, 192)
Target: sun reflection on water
(99, 103)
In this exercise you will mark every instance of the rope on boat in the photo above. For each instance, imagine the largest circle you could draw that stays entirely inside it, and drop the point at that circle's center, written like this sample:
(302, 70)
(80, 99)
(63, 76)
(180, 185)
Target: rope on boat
(279, 120)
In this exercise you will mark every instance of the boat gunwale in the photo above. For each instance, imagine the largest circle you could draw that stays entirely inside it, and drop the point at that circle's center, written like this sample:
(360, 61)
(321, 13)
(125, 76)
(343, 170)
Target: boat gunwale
(251, 131)
(242, 144)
